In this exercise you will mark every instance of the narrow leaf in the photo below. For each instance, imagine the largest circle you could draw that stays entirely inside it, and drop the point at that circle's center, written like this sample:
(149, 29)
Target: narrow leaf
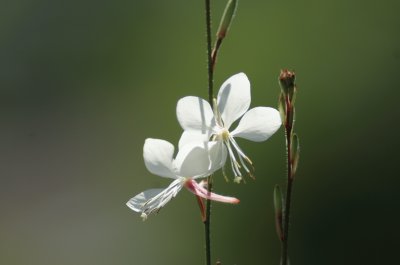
(227, 18)
(278, 204)
(282, 107)
(295, 153)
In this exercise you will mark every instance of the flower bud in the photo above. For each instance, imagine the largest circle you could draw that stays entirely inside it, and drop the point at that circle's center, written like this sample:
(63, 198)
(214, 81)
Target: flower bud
(287, 83)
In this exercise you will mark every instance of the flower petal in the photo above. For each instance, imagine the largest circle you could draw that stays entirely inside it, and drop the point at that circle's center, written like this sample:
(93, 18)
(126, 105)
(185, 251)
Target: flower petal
(136, 203)
(151, 201)
(189, 137)
(193, 160)
(218, 155)
(216, 149)
(258, 124)
(234, 98)
(200, 191)
(194, 113)
(158, 157)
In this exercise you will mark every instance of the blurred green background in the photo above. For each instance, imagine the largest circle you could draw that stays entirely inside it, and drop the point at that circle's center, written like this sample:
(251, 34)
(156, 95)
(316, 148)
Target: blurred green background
(84, 83)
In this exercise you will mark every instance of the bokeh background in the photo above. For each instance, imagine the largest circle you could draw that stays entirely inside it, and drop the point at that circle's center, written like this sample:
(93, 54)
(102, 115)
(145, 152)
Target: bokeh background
(84, 83)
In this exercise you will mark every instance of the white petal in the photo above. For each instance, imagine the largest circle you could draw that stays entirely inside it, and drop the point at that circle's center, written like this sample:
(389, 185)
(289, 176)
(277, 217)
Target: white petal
(153, 200)
(193, 160)
(158, 157)
(218, 154)
(189, 137)
(194, 113)
(258, 124)
(137, 202)
(234, 98)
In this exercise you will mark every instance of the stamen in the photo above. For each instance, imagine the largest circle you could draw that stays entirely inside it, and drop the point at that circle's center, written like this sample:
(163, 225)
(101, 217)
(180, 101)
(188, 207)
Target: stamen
(144, 216)
(237, 179)
(243, 164)
(239, 150)
(246, 158)
(217, 114)
(224, 173)
(234, 163)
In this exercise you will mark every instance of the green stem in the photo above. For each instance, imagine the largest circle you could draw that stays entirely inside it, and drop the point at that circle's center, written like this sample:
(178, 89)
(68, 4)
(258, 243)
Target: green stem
(210, 99)
(286, 217)
(209, 54)
(207, 233)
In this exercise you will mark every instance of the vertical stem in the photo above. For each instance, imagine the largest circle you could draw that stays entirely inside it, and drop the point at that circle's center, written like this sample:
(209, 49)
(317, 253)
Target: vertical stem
(210, 99)
(286, 217)
(209, 54)
(207, 224)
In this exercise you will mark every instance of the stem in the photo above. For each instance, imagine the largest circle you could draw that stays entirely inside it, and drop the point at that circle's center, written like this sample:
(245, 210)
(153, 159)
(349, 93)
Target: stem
(286, 217)
(209, 54)
(210, 99)
(207, 224)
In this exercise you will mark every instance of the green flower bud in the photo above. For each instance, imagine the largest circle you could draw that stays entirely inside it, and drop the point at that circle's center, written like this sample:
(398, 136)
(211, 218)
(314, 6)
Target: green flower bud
(287, 83)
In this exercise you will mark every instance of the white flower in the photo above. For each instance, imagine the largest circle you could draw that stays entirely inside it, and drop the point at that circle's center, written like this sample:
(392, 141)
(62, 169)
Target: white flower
(200, 122)
(191, 162)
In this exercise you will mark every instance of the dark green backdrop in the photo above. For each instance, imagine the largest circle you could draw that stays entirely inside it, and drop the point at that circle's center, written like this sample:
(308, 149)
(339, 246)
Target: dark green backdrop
(83, 83)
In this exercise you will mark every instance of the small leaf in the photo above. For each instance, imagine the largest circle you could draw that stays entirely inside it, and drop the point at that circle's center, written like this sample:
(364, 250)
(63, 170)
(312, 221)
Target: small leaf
(282, 107)
(295, 153)
(290, 115)
(278, 204)
(292, 96)
(227, 18)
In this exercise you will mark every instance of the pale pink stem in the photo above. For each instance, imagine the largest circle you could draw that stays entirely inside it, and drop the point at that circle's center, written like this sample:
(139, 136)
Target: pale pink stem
(200, 191)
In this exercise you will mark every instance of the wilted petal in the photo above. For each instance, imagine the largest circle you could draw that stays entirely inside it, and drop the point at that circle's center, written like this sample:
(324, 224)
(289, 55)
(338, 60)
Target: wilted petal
(193, 160)
(258, 124)
(158, 157)
(194, 113)
(151, 201)
(234, 98)
(137, 202)
(190, 137)
(200, 191)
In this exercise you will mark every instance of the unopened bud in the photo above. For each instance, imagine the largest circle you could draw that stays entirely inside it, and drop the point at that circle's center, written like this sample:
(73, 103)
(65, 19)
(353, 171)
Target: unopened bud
(287, 83)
